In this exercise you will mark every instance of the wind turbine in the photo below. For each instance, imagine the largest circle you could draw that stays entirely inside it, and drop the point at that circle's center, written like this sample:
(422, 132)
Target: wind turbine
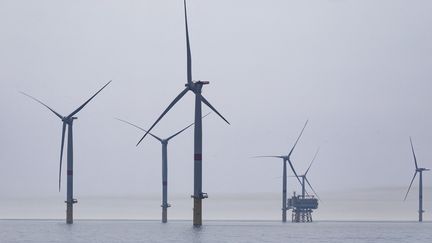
(67, 122)
(305, 180)
(164, 141)
(420, 171)
(196, 88)
(285, 159)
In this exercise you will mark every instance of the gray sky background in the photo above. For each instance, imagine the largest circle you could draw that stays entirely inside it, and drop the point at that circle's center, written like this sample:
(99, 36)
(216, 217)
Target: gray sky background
(360, 71)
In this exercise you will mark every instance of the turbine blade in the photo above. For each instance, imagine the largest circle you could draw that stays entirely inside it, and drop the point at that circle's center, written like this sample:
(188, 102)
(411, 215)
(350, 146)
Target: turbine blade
(177, 133)
(211, 107)
(415, 173)
(85, 103)
(166, 110)
(61, 152)
(312, 161)
(295, 173)
(189, 55)
(40, 102)
(307, 181)
(415, 159)
(301, 183)
(295, 144)
(142, 129)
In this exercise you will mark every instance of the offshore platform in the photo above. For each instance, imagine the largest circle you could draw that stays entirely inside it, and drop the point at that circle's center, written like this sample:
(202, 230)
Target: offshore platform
(302, 207)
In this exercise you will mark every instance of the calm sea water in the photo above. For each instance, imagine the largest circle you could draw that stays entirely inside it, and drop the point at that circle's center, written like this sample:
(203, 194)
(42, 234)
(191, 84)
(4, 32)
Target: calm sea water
(47, 231)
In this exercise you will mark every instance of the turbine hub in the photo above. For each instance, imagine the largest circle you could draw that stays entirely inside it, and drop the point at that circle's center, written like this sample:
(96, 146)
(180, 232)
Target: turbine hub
(196, 86)
(68, 119)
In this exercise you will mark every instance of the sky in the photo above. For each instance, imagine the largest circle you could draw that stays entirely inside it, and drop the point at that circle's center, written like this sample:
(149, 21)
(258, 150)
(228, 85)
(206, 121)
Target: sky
(359, 71)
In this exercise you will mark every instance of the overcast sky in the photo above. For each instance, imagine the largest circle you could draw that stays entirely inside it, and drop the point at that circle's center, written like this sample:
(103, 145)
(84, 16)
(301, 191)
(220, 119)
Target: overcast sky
(360, 71)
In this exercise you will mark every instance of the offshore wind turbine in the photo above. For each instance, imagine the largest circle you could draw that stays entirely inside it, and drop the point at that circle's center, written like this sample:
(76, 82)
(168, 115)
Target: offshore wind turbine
(164, 141)
(196, 88)
(420, 171)
(285, 159)
(305, 180)
(67, 122)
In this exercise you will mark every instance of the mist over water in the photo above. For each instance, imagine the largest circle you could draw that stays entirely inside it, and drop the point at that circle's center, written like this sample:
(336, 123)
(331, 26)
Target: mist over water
(361, 204)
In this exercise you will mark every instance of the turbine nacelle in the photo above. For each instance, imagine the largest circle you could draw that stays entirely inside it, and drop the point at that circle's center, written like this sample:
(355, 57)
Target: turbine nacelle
(203, 82)
(196, 86)
(422, 169)
(69, 120)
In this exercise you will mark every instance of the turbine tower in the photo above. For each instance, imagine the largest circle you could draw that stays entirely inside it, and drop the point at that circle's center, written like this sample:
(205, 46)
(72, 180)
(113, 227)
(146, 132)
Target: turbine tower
(67, 122)
(420, 171)
(196, 88)
(165, 205)
(305, 180)
(285, 159)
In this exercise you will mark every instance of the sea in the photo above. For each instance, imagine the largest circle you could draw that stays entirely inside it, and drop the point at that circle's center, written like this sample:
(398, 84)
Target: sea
(128, 231)
(364, 216)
